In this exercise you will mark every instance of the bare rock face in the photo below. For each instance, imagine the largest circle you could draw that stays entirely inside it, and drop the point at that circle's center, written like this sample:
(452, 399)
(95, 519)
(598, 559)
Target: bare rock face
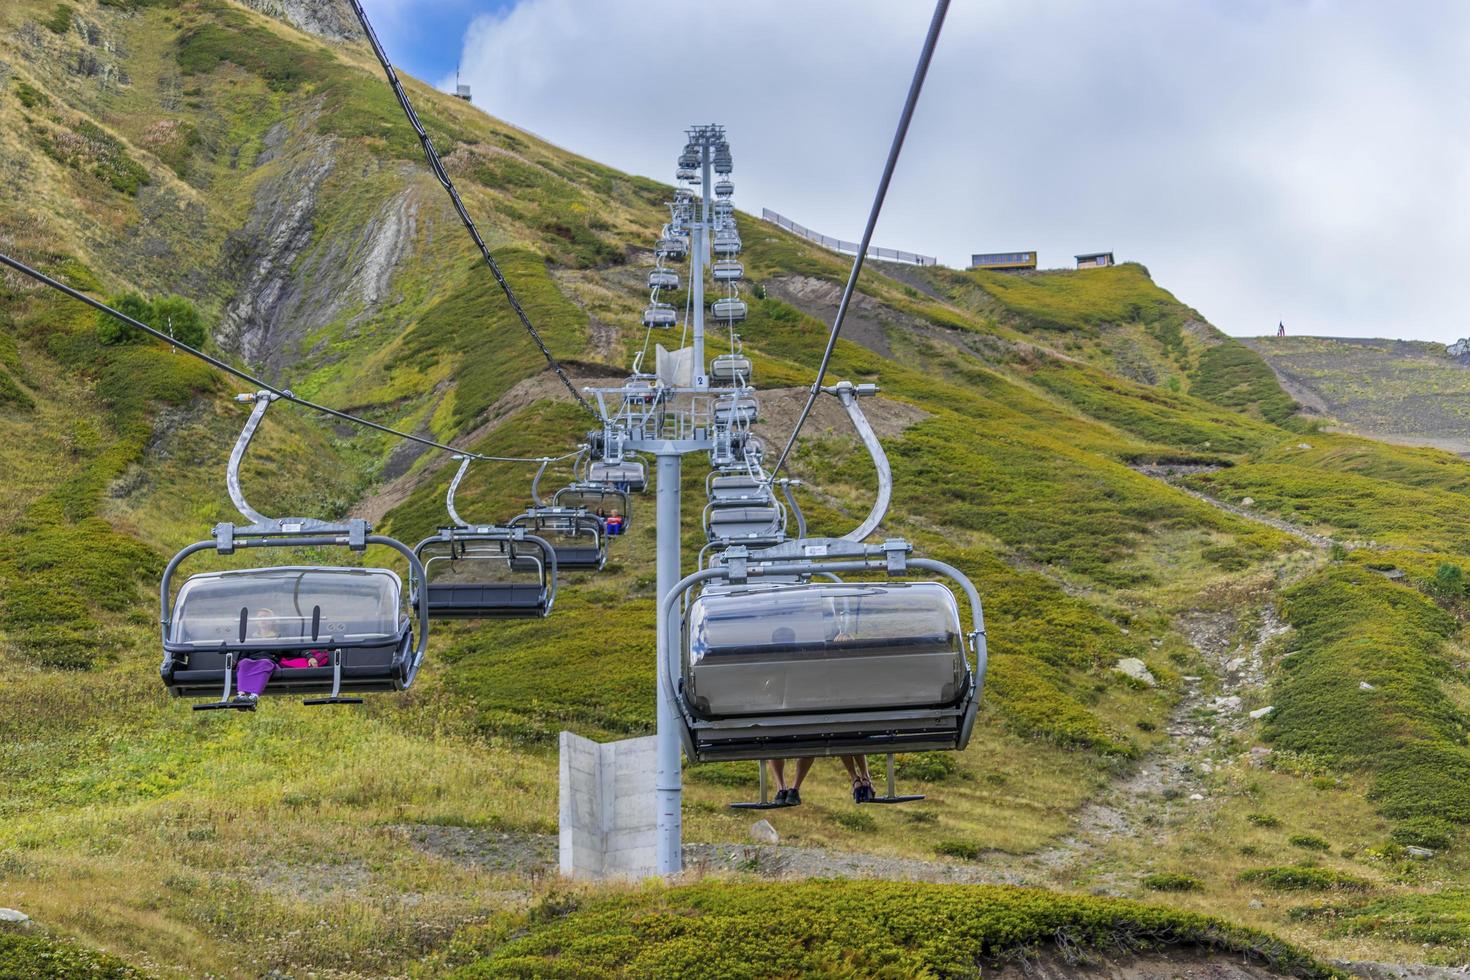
(331, 19)
(1460, 348)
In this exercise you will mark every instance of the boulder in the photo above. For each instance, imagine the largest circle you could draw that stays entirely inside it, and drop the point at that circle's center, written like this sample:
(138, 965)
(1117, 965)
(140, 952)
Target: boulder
(763, 833)
(1263, 712)
(1136, 669)
(1459, 348)
(1365, 686)
(1247, 501)
(13, 916)
(1418, 853)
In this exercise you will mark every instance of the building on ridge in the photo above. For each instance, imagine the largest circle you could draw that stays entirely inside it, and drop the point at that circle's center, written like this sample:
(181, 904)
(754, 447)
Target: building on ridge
(1094, 260)
(1003, 261)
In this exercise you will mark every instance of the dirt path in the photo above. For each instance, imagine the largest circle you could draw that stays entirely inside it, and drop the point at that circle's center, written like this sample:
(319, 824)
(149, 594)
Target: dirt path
(1171, 474)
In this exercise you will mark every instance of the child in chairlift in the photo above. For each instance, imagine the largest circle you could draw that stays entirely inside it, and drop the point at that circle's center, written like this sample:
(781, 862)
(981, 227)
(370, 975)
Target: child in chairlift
(253, 674)
(615, 523)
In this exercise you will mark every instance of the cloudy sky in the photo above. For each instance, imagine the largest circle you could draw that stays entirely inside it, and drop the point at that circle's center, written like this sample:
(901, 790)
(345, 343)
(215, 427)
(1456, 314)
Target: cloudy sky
(1268, 160)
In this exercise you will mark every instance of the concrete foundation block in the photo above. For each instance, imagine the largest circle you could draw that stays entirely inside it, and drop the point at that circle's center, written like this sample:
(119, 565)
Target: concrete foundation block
(608, 821)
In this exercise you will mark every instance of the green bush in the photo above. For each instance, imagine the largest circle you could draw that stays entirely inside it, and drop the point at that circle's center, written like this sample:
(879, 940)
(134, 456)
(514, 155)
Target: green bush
(855, 820)
(174, 315)
(1309, 842)
(1263, 820)
(60, 20)
(1170, 881)
(24, 956)
(111, 331)
(1430, 832)
(851, 928)
(926, 767)
(1300, 878)
(29, 95)
(962, 849)
(1232, 375)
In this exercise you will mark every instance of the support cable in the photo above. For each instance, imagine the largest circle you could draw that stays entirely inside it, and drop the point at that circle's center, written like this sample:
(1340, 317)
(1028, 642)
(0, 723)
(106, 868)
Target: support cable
(941, 7)
(432, 155)
(258, 383)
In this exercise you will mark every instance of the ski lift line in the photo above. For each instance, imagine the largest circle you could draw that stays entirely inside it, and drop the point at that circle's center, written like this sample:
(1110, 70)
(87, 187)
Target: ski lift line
(432, 155)
(941, 7)
(259, 384)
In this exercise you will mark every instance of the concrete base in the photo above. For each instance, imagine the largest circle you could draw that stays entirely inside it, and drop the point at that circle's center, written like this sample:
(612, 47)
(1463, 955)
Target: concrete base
(608, 822)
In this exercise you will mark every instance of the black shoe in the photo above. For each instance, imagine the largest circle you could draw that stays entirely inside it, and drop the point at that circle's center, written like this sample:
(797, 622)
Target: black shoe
(793, 797)
(782, 795)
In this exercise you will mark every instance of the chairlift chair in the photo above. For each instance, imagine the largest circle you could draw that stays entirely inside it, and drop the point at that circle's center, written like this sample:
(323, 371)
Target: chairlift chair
(749, 521)
(480, 571)
(578, 537)
(810, 668)
(724, 163)
(354, 617)
(660, 314)
(726, 243)
(601, 499)
(686, 174)
(661, 278)
(724, 188)
(625, 472)
(672, 248)
(727, 270)
(735, 411)
(724, 208)
(729, 308)
(730, 369)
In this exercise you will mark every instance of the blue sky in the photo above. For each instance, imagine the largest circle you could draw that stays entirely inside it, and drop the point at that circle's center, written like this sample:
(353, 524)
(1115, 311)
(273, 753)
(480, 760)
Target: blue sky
(424, 37)
(1296, 160)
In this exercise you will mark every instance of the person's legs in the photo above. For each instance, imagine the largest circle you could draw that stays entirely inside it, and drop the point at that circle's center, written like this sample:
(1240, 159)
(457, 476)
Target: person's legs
(803, 766)
(778, 770)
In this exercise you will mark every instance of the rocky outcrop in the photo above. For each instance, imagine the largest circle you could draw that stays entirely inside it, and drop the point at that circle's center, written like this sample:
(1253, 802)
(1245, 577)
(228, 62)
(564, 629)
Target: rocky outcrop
(331, 19)
(1459, 349)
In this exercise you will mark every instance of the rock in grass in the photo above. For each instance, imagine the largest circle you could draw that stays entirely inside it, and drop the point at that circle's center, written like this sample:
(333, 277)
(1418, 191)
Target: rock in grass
(1365, 686)
(1247, 501)
(1263, 712)
(1136, 669)
(763, 833)
(1418, 853)
(14, 916)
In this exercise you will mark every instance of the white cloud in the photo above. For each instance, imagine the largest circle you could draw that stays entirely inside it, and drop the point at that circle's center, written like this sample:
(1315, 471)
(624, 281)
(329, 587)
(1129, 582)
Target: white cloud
(1304, 160)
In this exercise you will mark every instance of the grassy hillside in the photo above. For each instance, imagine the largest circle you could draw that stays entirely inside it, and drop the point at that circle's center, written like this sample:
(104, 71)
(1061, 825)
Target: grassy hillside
(1401, 390)
(200, 148)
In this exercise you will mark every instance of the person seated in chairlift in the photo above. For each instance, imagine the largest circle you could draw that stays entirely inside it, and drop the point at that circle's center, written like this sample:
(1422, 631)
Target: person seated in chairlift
(253, 673)
(614, 522)
(856, 765)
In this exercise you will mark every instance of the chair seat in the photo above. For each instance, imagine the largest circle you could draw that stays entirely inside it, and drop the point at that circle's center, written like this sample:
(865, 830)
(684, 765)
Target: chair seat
(486, 600)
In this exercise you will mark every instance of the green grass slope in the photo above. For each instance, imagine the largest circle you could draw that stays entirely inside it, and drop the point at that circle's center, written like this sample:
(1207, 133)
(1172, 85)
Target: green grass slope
(267, 175)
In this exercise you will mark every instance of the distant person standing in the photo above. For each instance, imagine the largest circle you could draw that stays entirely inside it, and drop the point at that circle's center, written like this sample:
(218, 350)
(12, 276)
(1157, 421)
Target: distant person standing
(1280, 328)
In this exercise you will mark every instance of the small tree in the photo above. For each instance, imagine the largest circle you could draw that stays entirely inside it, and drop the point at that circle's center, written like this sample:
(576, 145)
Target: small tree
(178, 318)
(1448, 584)
(112, 331)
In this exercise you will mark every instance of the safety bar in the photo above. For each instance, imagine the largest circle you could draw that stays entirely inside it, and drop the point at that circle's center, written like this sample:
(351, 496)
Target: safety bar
(786, 485)
(847, 393)
(415, 575)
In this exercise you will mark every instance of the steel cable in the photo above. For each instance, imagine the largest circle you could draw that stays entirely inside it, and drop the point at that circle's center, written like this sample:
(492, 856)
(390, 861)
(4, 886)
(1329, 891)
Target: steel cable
(922, 69)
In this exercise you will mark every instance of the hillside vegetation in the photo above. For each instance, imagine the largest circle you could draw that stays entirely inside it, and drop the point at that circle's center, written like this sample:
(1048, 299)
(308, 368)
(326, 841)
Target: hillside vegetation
(1078, 443)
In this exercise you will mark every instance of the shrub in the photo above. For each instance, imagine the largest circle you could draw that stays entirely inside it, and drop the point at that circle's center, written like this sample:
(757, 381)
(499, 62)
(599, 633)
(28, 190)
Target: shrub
(29, 95)
(855, 820)
(174, 315)
(963, 849)
(1263, 820)
(850, 928)
(111, 331)
(60, 20)
(1431, 832)
(926, 767)
(1171, 881)
(41, 956)
(1309, 842)
(1300, 878)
